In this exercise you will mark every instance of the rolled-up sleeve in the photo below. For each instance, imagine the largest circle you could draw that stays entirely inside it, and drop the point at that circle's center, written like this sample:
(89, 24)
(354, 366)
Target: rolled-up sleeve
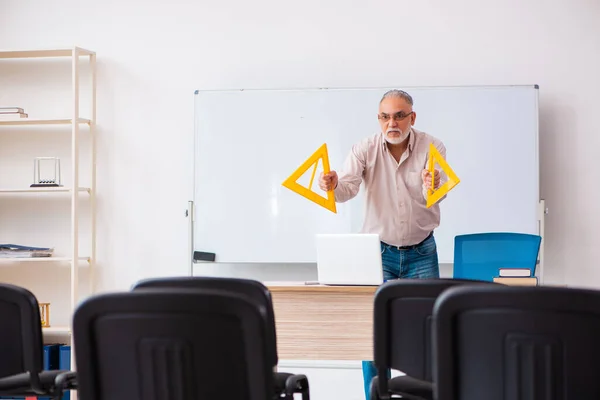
(351, 176)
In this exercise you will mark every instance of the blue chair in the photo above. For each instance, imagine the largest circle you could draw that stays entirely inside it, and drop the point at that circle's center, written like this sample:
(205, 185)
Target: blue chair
(480, 256)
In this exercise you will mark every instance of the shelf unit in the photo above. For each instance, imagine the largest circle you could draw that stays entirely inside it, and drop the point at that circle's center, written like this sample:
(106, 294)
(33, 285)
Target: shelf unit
(42, 190)
(78, 126)
(33, 121)
(58, 330)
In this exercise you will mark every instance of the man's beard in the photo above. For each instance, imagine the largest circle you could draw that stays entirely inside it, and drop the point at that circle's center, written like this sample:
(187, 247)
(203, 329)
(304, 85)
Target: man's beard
(397, 140)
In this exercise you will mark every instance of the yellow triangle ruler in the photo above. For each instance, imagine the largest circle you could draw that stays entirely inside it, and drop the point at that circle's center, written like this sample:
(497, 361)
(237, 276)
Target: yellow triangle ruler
(292, 184)
(433, 196)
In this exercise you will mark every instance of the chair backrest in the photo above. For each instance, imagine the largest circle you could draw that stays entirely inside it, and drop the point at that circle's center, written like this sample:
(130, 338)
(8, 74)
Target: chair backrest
(21, 345)
(402, 323)
(480, 256)
(251, 288)
(506, 342)
(165, 344)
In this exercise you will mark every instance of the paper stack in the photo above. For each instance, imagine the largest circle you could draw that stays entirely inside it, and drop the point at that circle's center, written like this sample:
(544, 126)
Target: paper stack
(516, 277)
(10, 113)
(18, 251)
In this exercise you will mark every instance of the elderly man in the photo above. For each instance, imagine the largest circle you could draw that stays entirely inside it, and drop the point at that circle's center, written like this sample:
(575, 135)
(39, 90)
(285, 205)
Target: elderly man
(392, 165)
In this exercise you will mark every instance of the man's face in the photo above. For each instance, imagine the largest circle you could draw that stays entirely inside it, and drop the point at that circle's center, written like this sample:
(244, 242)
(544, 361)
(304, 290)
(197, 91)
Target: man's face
(395, 117)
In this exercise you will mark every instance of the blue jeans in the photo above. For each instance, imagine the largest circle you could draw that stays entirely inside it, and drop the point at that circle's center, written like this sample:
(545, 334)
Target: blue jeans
(420, 261)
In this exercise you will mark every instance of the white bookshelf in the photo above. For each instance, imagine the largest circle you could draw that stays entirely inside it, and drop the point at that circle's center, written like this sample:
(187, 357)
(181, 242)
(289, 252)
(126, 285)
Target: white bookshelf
(79, 125)
(40, 260)
(57, 330)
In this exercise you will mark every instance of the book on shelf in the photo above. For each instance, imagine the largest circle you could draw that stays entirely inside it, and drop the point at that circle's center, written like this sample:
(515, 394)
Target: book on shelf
(20, 251)
(517, 281)
(13, 116)
(10, 117)
(514, 272)
(11, 110)
(12, 113)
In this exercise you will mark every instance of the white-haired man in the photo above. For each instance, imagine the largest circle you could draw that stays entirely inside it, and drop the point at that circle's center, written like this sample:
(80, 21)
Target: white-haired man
(392, 164)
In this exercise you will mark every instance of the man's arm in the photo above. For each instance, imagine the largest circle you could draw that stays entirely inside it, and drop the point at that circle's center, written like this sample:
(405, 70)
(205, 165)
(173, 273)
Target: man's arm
(443, 177)
(352, 174)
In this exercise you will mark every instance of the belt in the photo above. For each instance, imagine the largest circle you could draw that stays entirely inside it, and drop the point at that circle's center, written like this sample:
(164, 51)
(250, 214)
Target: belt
(410, 246)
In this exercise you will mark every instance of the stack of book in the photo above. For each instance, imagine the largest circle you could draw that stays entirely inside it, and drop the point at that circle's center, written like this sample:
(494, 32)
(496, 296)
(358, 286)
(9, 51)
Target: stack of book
(18, 251)
(516, 277)
(10, 113)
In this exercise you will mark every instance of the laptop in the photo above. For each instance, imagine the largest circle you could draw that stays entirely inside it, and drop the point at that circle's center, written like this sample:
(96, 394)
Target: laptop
(349, 259)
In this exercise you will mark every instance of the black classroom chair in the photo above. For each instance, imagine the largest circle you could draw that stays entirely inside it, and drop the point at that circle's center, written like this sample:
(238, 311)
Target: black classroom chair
(285, 384)
(403, 311)
(21, 349)
(509, 342)
(165, 344)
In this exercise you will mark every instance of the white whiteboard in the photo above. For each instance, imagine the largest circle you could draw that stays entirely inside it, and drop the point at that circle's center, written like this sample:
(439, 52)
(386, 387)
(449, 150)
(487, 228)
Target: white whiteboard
(247, 142)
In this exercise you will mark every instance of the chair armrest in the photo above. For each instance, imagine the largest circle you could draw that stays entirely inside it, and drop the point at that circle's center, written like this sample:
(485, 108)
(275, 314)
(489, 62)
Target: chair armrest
(296, 384)
(65, 381)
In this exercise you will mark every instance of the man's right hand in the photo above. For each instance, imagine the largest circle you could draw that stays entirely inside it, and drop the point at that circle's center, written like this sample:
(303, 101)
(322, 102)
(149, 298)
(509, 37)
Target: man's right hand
(328, 181)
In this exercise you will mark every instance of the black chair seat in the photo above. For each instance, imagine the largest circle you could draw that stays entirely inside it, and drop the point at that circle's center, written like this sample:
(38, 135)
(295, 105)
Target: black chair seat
(402, 335)
(154, 344)
(22, 354)
(285, 384)
(20, 384)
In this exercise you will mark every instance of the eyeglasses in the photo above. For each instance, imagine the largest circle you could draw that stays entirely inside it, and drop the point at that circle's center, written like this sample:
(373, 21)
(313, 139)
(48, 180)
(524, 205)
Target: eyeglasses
(397, 117)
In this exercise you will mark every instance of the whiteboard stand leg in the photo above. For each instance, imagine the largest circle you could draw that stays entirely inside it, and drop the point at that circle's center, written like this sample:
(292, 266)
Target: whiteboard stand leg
(542, 211)
(189, 213)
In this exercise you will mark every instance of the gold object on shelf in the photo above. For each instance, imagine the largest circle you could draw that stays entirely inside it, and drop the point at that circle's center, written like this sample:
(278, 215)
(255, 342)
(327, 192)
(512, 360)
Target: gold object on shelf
(45, 314)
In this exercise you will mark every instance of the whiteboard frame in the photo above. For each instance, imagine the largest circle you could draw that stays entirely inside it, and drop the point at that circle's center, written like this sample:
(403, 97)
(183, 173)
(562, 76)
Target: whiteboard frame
(542, 210)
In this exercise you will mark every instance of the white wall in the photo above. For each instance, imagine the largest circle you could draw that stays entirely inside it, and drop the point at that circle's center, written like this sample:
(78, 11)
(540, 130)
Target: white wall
(153, 54)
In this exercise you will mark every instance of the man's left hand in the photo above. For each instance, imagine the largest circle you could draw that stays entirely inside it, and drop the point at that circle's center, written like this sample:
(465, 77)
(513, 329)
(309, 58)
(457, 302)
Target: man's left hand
(426, 176)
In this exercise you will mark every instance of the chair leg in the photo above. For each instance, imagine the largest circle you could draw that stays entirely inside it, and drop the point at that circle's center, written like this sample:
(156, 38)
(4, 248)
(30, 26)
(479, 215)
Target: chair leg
(306, 393)
(63, 382)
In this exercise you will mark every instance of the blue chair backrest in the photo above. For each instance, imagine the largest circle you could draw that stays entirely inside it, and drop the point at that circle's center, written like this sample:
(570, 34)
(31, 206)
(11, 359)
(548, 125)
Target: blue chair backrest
(480, 256)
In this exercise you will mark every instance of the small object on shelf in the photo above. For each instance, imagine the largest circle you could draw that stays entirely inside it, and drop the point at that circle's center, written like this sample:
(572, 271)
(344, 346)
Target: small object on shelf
(49, 174)
(11, 110)
(45, 314)
(12, 116)
(517, 281)
(20, 251)
(11, 113)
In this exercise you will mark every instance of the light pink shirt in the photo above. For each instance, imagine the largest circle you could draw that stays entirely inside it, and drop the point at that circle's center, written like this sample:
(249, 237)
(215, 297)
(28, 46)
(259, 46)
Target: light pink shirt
(395, 196)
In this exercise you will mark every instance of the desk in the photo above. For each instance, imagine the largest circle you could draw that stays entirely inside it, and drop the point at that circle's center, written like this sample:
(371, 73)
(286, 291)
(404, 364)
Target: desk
(318, 322)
